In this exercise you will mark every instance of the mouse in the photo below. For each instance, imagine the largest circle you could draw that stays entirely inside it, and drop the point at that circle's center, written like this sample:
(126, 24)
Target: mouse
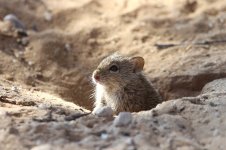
(121, 85)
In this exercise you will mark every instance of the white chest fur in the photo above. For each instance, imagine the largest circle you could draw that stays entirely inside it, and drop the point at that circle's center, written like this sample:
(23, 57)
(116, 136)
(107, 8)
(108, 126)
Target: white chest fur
(99, 93)
(111, 98)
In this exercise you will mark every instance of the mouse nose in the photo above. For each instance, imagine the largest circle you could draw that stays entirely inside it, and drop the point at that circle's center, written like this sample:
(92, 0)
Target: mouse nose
(96, 76)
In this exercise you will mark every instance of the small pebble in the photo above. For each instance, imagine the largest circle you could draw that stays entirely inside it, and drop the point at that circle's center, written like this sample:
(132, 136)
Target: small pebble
(30, 63)
(24, 41)
(3, 113)
(48, 16)
(68, 47)
(216, 132)
(12, 130)
(217, 114)
(210, 24)
(213, 104)
(209, 64)
(42, 147)
(14, 61)
(123, 119)
(104, 112)
(91, 41)
(14, 21)
(18, 54)
(130, 141)
(75, 116)
(104, 136)
(15, 89)
(44, 106)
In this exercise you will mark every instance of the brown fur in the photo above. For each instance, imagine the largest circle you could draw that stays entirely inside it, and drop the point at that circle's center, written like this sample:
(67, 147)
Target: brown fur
(124, 90)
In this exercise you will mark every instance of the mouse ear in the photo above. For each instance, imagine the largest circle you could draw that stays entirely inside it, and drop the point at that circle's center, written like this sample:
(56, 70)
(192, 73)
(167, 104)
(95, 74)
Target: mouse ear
(138, 63)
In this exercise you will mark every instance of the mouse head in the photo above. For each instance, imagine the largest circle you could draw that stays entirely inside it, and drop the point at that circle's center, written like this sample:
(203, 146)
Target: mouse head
(116, 71)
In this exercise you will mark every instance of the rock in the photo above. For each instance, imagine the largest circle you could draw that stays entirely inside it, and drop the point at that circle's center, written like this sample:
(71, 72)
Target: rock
(14, 21)
(3, 113)
(215, 86)
(13, 130)
(75, 116)
(15, 89)
(43, 147)
(123, 119)
(91, 41)
(47, 16)
(104, 136)
(12, 26)
(68, 47)
(5, 28)
(24, 41)
(44, 106)
(103, 112)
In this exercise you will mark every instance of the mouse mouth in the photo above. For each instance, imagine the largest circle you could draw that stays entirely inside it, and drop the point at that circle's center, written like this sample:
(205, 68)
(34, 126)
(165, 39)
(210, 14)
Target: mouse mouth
(96, 81)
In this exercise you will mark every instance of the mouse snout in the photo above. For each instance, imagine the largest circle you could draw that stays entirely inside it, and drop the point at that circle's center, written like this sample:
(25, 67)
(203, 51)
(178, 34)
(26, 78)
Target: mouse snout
(96, 75)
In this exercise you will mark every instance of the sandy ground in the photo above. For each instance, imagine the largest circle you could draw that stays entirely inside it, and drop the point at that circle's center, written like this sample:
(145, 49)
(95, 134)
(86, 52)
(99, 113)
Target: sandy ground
(182, 42)
(35, 120)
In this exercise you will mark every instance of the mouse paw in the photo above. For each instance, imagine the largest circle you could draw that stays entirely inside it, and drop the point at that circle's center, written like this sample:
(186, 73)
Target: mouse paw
(103, 111)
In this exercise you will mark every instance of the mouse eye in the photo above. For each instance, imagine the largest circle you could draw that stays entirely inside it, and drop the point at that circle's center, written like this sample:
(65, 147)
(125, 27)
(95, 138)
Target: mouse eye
(113, 68)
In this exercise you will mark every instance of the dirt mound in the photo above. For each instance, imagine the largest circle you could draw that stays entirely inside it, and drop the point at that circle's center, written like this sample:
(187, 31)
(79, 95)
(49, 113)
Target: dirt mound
(37, 120)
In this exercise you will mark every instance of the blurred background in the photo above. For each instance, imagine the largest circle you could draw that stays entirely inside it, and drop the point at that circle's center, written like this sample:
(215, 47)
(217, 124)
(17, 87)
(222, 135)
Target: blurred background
(54, 45)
